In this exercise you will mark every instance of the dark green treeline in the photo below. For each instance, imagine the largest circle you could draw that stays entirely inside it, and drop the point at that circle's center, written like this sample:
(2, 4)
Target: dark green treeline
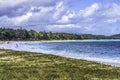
(22, 34)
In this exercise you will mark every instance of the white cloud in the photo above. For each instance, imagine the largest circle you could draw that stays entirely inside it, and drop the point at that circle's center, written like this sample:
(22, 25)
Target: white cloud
(57, 13)
(42, 2)
(88, 28)
(112, 11)
(21, 19)
(89, 10)
(58, 10)
(10, 3)
(113, 20)
(62, 26)
(44, 15)
(67, 17)
(15, 21)
(5, 21)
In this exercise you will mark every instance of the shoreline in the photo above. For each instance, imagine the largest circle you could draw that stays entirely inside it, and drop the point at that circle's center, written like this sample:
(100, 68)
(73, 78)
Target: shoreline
(114, 65)
(84, 40)
(62, 57)
(95, 59)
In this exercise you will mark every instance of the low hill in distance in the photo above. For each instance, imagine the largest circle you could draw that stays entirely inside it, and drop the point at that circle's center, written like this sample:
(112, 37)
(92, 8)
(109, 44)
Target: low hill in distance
(22, 34)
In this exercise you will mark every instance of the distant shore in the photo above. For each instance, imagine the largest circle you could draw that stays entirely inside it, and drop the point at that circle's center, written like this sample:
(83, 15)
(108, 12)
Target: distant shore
(63, 40)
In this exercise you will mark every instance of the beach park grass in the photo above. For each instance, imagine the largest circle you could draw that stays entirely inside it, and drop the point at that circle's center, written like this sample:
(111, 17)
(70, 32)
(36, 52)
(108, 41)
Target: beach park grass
(20, 65)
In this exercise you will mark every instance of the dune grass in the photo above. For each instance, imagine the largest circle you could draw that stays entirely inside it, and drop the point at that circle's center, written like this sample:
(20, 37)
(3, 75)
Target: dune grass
(19, 65)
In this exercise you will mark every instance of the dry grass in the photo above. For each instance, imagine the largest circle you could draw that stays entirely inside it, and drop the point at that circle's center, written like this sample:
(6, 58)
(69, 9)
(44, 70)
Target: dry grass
(16, 65)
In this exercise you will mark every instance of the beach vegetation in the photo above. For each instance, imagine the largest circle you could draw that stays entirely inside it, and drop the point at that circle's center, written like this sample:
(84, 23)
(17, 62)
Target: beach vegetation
(20, 65)
(32, 35)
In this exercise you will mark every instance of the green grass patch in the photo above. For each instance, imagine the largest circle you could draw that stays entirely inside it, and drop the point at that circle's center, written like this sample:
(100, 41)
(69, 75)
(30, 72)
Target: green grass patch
(20, 65)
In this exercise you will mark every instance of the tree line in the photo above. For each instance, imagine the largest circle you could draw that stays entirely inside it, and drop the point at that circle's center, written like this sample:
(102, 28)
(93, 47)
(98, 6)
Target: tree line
(31, 35)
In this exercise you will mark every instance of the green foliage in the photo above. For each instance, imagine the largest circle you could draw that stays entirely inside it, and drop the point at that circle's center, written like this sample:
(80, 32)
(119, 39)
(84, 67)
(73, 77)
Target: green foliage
(22, 34)
(15, 65)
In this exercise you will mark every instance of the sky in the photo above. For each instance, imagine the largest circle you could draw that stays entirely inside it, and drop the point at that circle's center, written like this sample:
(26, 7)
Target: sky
(100, 17)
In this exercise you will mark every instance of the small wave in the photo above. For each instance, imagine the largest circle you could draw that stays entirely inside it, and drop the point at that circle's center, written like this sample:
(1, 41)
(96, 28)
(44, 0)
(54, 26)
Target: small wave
(32, 47)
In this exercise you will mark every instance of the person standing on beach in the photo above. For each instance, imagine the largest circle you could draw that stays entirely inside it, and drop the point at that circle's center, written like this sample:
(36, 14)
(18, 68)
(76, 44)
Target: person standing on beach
(16, 45)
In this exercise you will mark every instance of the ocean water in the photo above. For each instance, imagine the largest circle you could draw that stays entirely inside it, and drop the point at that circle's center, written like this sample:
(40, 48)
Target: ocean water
(103, 51)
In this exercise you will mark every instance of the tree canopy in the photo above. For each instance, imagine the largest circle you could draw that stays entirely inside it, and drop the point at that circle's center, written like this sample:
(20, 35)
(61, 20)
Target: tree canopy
(22, 34)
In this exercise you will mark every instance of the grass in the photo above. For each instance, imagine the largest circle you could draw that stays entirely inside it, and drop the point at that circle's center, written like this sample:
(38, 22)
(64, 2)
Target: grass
(19, 65)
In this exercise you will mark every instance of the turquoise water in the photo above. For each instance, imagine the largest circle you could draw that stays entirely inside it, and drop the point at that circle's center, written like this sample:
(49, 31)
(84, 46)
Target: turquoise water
(104, 51)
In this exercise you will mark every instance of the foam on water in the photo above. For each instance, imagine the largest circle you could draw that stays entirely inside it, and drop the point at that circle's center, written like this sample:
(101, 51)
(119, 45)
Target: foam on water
(72, 49)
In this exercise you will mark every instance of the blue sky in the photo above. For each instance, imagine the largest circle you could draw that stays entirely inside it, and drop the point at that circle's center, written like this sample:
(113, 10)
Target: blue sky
(101, 17)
